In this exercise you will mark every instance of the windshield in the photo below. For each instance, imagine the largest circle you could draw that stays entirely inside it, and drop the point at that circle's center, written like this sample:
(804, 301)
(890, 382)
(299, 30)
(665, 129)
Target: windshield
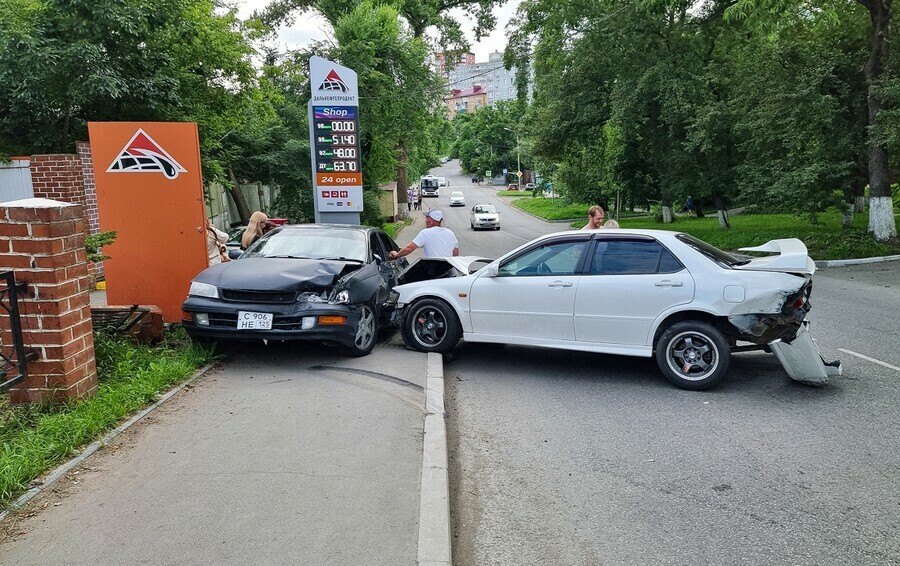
(721, 257)
(312, 243)
(456, 194)
(485, 209)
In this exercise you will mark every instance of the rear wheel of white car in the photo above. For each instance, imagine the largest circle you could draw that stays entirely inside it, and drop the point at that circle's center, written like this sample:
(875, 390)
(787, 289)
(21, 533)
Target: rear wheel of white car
(366, 332)
(693, 355)
(431, 325)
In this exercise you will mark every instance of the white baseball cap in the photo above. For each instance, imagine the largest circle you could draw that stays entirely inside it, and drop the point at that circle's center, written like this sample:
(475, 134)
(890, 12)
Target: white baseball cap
(435, 215)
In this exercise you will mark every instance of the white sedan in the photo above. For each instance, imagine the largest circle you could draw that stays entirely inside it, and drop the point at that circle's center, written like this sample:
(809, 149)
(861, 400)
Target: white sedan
(484, 216)
(457, 198)
(649, 293)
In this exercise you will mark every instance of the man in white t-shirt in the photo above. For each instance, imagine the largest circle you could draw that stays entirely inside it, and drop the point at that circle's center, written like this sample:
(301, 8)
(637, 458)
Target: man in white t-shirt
(435, 240)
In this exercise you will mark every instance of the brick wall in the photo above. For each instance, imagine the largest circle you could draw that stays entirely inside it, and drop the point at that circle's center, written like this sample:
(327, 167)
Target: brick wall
(42, 241)
(91, 212)
(58, 177)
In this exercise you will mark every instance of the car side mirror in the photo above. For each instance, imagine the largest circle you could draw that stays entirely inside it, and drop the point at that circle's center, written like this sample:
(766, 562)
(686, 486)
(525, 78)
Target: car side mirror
(377, 259)
(490, 270)
(234, 254)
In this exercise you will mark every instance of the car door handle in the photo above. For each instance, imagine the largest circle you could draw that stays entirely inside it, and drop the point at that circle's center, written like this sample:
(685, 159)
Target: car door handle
(669, 283)
(560, 284)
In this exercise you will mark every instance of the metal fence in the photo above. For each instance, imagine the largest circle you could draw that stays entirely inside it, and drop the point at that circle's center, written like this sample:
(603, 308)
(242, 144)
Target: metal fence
(13, 362)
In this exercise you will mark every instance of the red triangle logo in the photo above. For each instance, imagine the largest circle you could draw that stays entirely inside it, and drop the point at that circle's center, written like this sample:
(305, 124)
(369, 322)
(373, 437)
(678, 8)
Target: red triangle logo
(143, 155)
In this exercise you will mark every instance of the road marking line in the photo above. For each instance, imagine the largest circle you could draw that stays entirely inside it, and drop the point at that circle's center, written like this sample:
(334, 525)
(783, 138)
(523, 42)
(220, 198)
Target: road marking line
(873, 360)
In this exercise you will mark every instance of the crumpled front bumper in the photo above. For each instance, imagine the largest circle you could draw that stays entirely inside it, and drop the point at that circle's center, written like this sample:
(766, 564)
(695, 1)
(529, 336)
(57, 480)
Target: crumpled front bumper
(802, 360)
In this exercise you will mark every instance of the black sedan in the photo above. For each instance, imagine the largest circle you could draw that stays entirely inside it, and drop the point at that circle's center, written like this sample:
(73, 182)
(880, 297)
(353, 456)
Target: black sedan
(299, 282)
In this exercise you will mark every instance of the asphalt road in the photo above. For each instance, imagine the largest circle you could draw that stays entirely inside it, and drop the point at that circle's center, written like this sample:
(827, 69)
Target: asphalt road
(581, 459)
(516, 227)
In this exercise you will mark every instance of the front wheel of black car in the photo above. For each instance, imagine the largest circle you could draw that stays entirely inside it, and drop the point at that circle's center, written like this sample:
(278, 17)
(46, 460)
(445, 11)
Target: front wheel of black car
(693, 355)
(366, 332)
(431, 325)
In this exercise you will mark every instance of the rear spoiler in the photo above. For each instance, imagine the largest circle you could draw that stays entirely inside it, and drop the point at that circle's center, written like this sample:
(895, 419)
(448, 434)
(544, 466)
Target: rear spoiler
(792, 257)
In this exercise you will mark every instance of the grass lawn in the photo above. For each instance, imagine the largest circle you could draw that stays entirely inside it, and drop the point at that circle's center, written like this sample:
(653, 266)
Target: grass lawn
(826, 240)
(34, 440)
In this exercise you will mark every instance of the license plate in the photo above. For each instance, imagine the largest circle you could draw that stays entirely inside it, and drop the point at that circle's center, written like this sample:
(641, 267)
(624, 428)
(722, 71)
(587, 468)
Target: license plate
(254, 320)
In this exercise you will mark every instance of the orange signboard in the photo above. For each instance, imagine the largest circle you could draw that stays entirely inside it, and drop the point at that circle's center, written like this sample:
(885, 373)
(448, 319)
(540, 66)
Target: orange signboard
(339, 179)
(150, 191)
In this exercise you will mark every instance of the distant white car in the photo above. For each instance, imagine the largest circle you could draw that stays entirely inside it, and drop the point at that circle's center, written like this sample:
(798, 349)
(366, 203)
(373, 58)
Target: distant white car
(442, 181)
(646, 293)
(484, 216)
(457, 199)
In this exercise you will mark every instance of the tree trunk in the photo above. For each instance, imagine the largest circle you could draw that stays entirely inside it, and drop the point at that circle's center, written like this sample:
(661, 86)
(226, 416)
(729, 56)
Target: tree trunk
(238, 197)
(858, 194)
(668, 215)
(722, 207)
(403, 174)
(881, 206)
(847, 218)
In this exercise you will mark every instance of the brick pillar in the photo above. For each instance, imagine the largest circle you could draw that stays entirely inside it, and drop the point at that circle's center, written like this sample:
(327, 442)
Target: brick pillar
(91, 211)
(42, 241)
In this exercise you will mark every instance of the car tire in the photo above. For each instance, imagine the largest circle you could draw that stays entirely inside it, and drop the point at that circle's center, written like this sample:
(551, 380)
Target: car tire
(471, 225)
(431, 325)
(693, 355)
(366, 332)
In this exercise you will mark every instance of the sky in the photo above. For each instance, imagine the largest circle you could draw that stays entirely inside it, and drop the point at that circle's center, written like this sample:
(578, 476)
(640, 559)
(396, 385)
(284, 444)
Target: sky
(311, 27)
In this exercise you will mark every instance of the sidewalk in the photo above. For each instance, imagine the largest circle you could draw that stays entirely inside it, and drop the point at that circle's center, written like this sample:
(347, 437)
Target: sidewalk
(314, 460)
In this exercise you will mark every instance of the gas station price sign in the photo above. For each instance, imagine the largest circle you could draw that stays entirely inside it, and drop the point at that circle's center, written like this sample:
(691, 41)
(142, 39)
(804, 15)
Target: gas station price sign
(336, 137)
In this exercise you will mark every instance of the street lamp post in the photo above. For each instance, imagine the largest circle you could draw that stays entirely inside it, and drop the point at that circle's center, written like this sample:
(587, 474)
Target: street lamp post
(518, 163)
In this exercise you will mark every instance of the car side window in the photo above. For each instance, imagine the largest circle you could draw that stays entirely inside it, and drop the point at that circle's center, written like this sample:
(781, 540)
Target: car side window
(388, 244)
(632, 257)
(554, 258)
(375, 245)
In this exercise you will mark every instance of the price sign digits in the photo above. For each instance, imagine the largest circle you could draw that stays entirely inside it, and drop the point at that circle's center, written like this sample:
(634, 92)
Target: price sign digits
(337, 143)
(343, 126)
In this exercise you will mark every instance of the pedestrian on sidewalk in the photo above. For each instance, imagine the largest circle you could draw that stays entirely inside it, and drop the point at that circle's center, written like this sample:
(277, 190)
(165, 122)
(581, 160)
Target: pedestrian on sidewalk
(434, 239)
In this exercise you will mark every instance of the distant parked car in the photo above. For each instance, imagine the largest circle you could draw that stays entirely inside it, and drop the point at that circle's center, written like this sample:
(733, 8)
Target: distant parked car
(484, 216)
(646, 293)
(512, 187)
(323, 282)
(457, 199)
(529, 186)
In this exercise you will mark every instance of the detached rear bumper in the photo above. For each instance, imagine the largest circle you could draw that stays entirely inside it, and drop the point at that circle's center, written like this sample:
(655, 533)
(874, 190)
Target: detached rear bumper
(802, 360)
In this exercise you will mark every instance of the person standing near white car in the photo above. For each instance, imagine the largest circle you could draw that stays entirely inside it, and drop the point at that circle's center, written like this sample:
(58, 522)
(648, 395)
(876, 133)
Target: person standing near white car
(434, 239)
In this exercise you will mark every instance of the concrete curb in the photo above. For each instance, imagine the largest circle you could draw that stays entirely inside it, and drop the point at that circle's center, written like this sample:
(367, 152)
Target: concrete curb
(861, 261)
(434, 491)
(63, 469)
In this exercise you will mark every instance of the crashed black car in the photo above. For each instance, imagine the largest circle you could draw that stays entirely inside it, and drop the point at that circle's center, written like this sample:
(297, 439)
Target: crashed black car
(299, 282)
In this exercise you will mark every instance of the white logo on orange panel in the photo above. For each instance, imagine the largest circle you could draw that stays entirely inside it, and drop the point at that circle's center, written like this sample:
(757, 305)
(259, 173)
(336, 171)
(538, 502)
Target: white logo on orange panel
(142, 154)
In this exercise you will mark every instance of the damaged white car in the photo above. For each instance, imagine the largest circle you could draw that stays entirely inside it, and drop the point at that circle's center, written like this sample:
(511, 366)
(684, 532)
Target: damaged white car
(649, 293)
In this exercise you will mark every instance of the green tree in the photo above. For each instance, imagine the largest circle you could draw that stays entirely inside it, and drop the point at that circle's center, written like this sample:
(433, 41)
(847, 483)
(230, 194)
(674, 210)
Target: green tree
(764, 15)
(65, 62)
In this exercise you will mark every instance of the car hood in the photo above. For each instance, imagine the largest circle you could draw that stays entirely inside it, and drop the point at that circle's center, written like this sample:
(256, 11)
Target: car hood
(430, 268)
(276, 274)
